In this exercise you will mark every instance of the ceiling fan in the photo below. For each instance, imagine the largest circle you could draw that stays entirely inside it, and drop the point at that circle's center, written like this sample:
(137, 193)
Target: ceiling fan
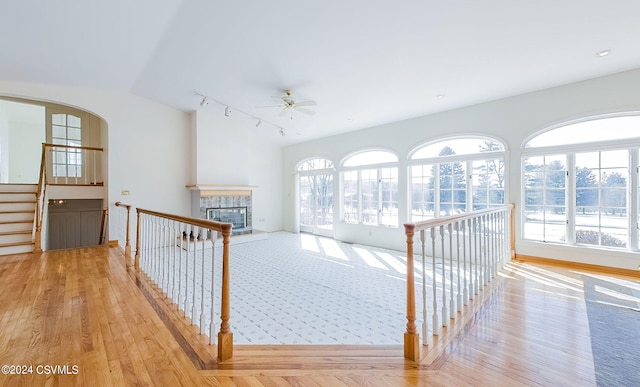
(289, 103)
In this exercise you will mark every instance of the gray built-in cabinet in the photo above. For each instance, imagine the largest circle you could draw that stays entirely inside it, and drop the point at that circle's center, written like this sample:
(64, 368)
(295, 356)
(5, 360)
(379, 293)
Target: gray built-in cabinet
(74, 223)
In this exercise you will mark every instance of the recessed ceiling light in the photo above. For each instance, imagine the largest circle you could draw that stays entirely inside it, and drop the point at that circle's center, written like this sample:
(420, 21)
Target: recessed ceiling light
(603, 53)
(440, 96)
(350, 119)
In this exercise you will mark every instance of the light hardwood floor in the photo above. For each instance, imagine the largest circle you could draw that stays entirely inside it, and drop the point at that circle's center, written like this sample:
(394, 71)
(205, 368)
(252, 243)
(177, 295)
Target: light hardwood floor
(84, 308)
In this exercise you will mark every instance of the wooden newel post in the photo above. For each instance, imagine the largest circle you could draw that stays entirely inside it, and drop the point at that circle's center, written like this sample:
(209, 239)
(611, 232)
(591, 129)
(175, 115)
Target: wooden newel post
(411, 336)
(137, 257)
(225, 336)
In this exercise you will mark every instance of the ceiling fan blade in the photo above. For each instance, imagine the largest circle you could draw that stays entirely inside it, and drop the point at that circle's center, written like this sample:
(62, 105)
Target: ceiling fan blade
(269, 106)
(283, 112)
(306, 103)
(305, 111)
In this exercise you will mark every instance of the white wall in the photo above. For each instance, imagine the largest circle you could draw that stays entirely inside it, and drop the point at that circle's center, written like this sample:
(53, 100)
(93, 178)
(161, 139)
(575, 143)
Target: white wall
(265, 173)
(512, 120)
(25, 150)
(228, 151)
(147, 144)
(222, 151)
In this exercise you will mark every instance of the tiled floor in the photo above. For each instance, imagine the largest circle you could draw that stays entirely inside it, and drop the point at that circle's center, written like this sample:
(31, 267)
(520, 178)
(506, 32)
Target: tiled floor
(304, 289)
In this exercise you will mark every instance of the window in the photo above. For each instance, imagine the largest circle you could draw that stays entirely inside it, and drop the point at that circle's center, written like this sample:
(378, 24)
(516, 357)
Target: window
(316, 195)
(66, 129)
(545, 216)
(370, 188)
(456, 175)
(577, 184)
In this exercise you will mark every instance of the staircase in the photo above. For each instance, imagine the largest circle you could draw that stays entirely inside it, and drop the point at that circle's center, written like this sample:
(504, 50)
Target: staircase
(17, 212)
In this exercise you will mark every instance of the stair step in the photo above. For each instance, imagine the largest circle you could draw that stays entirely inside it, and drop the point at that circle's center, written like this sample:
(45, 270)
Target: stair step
(3, 233)
(16, 244)
(16, 248)
(16, 221)
(15, 188)
(16, 212)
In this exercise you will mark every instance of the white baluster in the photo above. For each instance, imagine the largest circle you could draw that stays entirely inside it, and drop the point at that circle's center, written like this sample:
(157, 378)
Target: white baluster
(452, 305)
(186, 273)
(202, 320)
(459, 292)
(193, 290)
(424, 290)
(476, 257)
(445, 314)
(436, 322)
(212, 328)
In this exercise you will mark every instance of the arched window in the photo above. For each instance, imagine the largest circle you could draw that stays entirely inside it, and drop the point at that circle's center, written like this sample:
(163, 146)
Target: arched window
(370, 188)
(456, 175)
(314, 164)
(580, 183)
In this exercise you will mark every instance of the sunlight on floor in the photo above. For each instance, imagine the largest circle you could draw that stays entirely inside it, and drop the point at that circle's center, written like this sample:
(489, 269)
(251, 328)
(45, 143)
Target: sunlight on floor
(309, 243)
(369, 258)
(332, 249)
(391, 261)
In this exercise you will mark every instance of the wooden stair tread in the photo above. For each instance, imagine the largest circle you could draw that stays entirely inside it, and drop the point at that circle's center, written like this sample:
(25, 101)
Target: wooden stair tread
(27, 243)
(20, 232)
(16, 221)
(16, 212)
(17, 201)
(17, 192)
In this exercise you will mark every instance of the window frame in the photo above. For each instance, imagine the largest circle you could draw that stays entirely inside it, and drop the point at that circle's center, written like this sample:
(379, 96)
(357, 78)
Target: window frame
(631, 145)
(378, 168)
(467, 158)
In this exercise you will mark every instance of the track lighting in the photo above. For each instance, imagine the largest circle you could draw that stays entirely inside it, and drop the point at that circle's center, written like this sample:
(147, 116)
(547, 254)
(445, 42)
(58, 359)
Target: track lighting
(227, 113)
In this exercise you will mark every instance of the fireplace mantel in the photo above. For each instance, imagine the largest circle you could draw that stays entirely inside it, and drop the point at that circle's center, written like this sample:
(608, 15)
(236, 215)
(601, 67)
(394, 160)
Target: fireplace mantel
(220, 187)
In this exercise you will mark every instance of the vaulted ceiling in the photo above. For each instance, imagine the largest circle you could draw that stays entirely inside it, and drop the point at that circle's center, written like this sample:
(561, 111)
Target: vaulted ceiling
(363, 62)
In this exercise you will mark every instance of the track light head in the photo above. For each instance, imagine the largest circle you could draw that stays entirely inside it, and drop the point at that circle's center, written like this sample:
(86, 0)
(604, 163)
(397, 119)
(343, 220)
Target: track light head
(204, 102)
(258, 123)
(282, 131)
(227, 111)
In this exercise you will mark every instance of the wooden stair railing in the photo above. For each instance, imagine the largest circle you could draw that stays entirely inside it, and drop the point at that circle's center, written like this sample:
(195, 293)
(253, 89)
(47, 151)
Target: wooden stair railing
(127, 245)
(479, 242)
(167, 249)
(90, 172)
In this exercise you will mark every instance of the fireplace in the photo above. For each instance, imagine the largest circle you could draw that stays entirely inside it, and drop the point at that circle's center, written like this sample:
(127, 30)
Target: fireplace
(234, 215)
(228, 206)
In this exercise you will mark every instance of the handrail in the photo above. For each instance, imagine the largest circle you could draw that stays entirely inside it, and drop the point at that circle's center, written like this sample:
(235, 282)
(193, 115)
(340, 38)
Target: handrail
(103, 224)
(161, 271)
(40, 193)
(42, 187)
(482, 224)
(49, 145)
(127, 246)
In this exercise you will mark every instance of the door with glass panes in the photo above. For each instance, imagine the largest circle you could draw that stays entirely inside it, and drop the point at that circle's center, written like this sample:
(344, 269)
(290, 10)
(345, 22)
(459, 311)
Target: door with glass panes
(316, 203)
